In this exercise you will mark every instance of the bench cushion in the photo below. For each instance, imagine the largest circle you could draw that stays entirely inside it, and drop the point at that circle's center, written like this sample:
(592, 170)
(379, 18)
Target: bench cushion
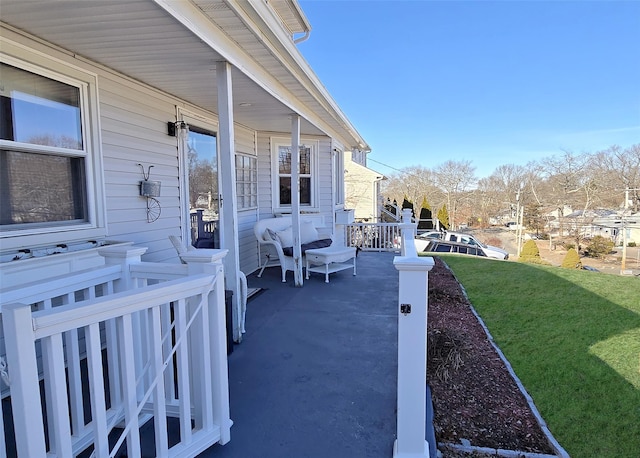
(308, 232)
(285, 236)
(322, 243)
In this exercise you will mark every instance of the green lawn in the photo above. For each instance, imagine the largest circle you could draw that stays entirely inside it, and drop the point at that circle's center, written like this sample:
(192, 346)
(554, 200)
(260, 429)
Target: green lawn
(573, 339)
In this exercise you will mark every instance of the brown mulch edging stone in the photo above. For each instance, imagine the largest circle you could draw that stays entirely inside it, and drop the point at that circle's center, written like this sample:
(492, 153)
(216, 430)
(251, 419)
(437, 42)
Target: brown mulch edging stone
(477, 402)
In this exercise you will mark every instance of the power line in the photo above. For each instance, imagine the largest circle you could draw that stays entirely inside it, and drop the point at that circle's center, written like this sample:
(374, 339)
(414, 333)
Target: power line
(386, 165)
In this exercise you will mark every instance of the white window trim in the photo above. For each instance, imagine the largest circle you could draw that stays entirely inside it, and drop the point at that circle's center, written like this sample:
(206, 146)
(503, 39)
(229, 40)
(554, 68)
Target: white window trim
(87, 82)
(276, 143)
(255, 159)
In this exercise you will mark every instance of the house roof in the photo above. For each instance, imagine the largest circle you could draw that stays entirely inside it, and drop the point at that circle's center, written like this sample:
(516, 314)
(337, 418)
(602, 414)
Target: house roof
(174, 47)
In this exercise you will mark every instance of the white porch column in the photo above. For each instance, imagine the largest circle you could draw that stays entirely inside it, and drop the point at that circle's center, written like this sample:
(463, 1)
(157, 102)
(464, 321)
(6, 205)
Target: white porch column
(228, 202)
(295, 198)
(412, 347)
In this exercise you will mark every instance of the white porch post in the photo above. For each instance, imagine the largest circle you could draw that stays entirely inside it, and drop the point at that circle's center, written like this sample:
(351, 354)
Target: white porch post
(295, 198)
(229, 203)
(412, 347)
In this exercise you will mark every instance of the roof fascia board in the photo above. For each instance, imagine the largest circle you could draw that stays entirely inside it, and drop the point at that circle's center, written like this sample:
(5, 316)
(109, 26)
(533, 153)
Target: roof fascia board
(366, 170)
(294, 7)
(195, 21)
(298, 66)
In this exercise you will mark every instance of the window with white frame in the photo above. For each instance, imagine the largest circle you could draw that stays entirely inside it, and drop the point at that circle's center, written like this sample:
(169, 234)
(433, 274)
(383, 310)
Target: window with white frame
(45, 152)
(246, 181)
(307, 173)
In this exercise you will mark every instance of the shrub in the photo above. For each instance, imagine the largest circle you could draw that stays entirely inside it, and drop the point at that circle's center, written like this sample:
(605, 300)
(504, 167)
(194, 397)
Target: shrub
(631, 244)
(569, 246)
(571, 260)
(599, 247)
(530, 250)
(530, 253)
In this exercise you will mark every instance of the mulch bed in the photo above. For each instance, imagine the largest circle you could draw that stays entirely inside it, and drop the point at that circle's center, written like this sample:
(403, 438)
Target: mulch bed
(476, 401)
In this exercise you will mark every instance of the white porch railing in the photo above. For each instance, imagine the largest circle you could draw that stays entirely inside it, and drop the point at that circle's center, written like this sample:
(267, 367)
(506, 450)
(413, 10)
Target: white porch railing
(412, 346)
(373, 236)
(115, 347)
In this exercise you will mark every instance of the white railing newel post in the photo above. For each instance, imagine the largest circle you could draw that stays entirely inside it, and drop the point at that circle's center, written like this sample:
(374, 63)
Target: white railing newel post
(124, 256)
(210, 261)
(408, 231)
(412, 350)
(25, 389)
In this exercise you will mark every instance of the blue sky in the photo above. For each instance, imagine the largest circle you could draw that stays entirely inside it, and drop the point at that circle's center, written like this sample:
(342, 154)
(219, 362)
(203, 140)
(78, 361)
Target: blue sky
(493, 82)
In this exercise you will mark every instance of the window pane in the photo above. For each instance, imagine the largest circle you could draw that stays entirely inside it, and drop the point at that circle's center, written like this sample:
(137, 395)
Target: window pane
(39, 110)
(285, 190)
(305, 191)
(284, 159)
(38, 188)
(203, 173)
(305, 160)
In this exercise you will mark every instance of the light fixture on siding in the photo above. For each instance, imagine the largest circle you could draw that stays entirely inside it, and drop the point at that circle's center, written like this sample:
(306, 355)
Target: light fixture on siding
(174, 128)
(150, 189)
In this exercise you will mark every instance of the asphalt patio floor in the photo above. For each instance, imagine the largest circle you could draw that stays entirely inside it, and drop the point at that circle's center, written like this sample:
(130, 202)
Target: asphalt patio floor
(315, 374)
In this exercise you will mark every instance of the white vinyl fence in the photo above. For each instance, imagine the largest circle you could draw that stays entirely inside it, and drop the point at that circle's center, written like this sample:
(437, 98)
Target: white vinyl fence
(373, 236)
(98, 354)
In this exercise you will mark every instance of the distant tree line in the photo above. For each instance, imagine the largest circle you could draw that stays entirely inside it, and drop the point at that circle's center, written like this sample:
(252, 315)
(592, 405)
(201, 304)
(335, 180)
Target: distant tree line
(580, 181)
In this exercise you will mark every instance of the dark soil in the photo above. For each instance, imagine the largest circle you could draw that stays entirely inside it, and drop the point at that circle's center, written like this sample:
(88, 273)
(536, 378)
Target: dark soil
(474, 396)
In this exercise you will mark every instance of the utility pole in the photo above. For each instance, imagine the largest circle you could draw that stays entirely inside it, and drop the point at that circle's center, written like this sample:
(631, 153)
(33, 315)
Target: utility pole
(519, 214)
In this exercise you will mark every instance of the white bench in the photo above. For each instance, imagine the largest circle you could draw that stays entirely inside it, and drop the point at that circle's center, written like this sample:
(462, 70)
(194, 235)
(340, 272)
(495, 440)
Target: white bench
(330, 259)
(311, 227)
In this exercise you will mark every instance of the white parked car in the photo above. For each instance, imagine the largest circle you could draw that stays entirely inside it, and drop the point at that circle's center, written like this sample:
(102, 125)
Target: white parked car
(461, 237)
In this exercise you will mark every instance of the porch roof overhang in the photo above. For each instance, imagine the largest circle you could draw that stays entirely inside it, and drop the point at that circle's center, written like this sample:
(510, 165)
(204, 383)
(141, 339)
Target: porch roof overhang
(174, 46)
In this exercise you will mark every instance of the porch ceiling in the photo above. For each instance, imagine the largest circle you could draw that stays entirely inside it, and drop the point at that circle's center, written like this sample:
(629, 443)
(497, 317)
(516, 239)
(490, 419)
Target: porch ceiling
(144, 41)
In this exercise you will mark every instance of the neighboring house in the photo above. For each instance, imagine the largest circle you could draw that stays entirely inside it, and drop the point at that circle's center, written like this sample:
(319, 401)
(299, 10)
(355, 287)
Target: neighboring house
(618, 226)
(100, 96)
(585, 223)
(362, 187)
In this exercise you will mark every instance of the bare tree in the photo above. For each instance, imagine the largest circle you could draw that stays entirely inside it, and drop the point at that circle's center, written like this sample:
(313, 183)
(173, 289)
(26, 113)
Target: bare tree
(622, 170)
(565, 176)
(455, 179)
(413, 183)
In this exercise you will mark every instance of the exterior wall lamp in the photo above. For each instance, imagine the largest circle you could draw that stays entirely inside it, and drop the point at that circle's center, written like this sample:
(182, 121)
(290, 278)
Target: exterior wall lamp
(174, 128)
